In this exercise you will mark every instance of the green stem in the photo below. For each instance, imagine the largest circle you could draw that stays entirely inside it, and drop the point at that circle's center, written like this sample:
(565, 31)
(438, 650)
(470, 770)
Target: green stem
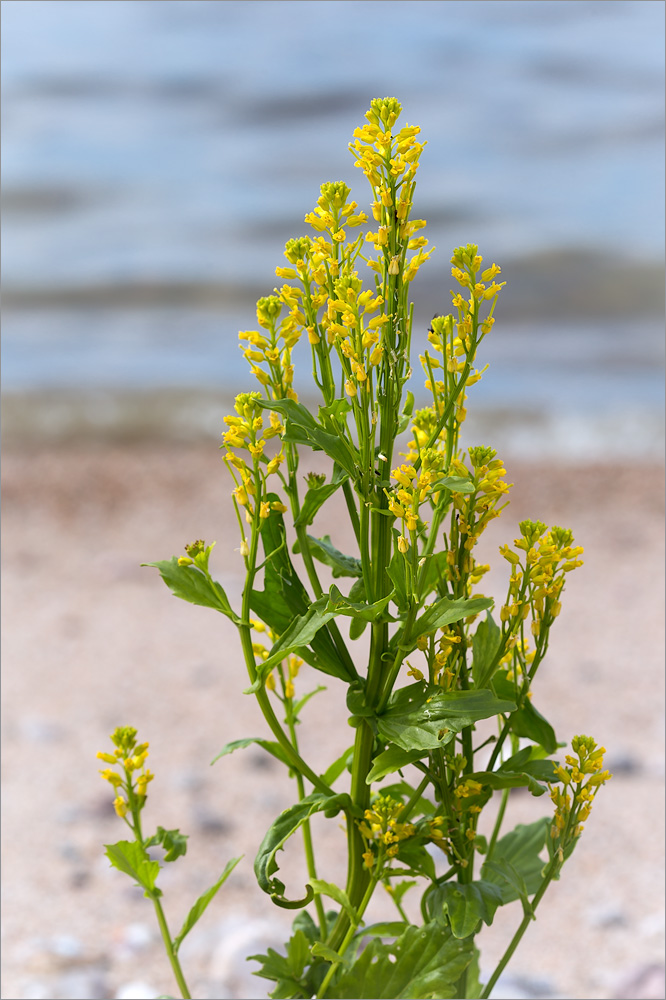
(353, 924)
(524, 924)
(307, 832)
(168, 944)
(498, 824)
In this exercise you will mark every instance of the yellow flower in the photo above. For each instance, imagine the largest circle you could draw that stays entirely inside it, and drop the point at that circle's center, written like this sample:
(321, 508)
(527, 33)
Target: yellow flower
(120, 806)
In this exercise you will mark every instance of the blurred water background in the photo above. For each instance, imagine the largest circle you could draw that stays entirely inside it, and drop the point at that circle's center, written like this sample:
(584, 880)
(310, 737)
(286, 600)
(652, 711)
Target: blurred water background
(157, 155)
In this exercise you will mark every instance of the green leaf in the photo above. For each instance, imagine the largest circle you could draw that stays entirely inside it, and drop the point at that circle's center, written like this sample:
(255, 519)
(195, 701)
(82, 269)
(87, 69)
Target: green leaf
(485, 643)
(457, 484)
(419, 718)
(337, 767)
(284, 598)
(467, 904)
(300, 633)
(390, 760)
(398, 891)
(322, 888)
(324, 550)
(302, 428)
(517, 853)
(305, 699)
(173, 841)
(423, 962)
(277, 968)
(396, 571)
(445, 612)
(320, 950)
(508, 779)
(202, 902)
(417, 858)
(279, 832)
(130, 857)
(269, 745)
(526, 721)
(317, 495)
(193, 584)
(435, 573)
(341, 605)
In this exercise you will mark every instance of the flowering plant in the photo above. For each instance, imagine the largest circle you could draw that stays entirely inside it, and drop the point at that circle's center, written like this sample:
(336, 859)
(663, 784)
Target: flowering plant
(415, 786)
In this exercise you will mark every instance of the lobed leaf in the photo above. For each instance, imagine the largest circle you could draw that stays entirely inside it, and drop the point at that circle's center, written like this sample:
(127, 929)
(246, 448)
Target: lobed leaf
(467, 904)
(130, 857)
(423, 962)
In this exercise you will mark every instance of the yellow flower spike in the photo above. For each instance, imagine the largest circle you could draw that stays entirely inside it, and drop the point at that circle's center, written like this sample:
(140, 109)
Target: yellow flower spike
(368, 859)
(403, 544)
(350, 388)
(244, 548)
(109, 758)
(270, 682)
(289, 689)
(264, 509)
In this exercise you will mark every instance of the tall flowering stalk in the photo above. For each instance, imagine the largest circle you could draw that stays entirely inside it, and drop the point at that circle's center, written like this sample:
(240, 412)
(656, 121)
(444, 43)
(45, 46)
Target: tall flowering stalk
(415, 785)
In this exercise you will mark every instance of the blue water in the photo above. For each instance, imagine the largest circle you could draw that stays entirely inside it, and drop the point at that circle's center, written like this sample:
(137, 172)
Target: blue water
(149, 143)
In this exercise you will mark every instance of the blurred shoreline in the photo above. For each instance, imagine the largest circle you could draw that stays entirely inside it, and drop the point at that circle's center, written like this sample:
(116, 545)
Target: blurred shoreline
(182, 415)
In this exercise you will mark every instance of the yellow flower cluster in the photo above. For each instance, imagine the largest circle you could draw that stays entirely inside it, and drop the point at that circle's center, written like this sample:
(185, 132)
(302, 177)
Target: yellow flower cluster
(537, 581)
(132, 758)
(414, 488)
(380, 828)
(456, 340)
(582, 778)
(390, 162)
(269, 353)
(248, 433)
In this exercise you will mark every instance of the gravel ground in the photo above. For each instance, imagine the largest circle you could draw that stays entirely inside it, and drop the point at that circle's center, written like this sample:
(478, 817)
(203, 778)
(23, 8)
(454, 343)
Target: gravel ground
(92, 641)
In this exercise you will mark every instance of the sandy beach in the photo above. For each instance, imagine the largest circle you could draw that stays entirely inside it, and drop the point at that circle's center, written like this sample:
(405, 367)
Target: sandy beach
(92, 641)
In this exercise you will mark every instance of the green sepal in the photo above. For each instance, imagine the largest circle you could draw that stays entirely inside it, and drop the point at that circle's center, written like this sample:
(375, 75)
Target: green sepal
(202, 902)
(279, 832)
(467, 904)
(422, 962)
(270, 746)
(173, 841)
(324, 550)
(194, 584)
(421, 718)
(130, 857)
